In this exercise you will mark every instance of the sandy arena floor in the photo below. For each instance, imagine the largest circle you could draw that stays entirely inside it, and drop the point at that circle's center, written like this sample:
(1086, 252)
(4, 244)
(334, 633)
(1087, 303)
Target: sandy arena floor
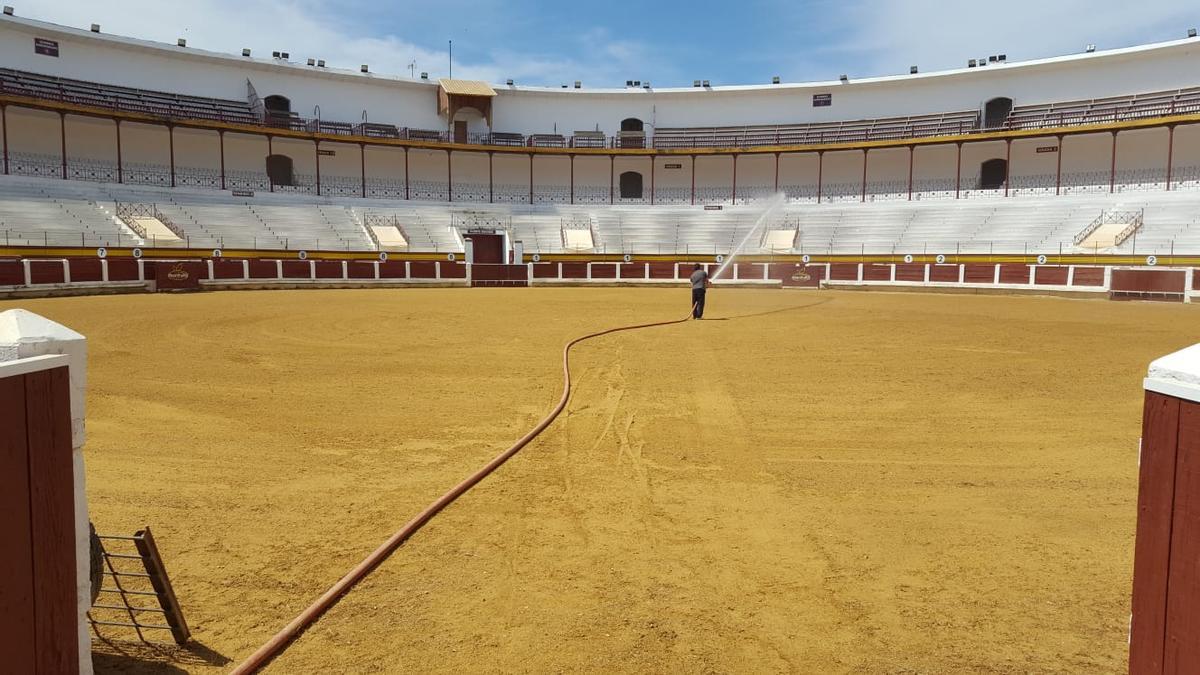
(824, 482)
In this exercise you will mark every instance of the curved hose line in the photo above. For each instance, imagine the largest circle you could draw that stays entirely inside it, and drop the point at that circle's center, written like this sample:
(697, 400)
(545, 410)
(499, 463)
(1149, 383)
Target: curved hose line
(284, 637)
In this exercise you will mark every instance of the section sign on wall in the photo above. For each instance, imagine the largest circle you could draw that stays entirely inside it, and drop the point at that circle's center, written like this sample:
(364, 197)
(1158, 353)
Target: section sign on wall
(45, 47)
(822, 100)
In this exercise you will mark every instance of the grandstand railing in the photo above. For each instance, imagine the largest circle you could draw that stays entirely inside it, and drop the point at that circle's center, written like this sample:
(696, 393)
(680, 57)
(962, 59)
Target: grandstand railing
(168, 106)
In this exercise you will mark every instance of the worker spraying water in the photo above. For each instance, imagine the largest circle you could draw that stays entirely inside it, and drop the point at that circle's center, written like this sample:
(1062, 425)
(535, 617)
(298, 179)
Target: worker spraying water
(700, 279)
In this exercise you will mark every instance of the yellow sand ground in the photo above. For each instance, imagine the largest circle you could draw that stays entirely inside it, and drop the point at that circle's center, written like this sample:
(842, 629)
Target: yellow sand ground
(825, 482)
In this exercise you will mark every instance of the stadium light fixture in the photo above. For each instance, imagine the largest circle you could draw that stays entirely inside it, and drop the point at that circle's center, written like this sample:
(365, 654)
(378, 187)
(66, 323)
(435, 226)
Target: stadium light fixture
(8, 10)
(245, 52)
(1003, 58)
(992, 58)
(284, 55)
(424, 75)
(509, 82)
(578, 84)
(363, 68)
(181, 42)
(275, 55)
(320, 63)
(912, 70)
(1091, 48)
(646, 85)
(844, 79)
(695, 83)
(706, 84)
(1191, 32)
(775, 80)
(971, 63)
(312, 62)
(95, 28)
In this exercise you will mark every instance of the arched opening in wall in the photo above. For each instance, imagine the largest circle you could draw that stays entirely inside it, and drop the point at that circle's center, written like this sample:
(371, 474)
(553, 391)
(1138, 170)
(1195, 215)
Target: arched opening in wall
(278, 110)
(632, 124)
(996, 111)
(992, 174)
(278, 104)
(631, 185)
(279, 169)
(464, 119)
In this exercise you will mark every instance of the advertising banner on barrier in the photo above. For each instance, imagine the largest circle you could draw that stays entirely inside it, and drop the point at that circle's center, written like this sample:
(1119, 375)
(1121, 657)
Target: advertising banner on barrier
(179, 275)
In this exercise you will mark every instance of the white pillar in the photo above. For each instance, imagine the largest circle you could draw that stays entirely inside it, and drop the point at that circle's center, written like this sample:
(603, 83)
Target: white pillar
(103, 270)
(1188, 281)
(996, 275)
(66, 270)
(23, 335)
(962, 273)
(1070, 275)
(860, 272)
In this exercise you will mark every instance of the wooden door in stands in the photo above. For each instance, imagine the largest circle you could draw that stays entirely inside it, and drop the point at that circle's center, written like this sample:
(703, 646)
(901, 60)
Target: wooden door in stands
(460, 131)
(488, 249)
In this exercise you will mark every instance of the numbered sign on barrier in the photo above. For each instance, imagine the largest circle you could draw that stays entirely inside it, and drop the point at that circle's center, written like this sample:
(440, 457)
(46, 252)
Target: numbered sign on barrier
(383, 256)
(626, 257)
(1151, 260)
(806, 258)
(216, 253)
(137, 253)
(941, 259)
(451, 257)
(1041, 259)
(537, 258)
(101, 252)
(303, 255)
(720, 258)
(908, 258)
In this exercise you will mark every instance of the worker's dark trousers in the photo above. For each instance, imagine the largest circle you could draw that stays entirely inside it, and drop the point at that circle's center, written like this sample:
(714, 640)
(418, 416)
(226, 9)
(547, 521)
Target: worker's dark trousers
(697, 303)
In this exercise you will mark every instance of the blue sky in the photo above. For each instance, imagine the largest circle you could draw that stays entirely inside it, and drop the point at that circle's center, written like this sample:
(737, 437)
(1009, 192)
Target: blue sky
(668, 43)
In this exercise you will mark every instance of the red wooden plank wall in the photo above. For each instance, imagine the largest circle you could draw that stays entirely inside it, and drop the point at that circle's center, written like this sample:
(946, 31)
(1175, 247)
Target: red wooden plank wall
(1165, 631)
(38, 622)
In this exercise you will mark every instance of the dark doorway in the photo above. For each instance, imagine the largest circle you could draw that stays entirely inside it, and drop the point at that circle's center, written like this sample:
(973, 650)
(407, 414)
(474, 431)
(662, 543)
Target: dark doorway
(460, 131)
(279, 169)
(632, 124)
(631, 185)
(996, 111)
(992, 174)
(487, 249)
(277, 104)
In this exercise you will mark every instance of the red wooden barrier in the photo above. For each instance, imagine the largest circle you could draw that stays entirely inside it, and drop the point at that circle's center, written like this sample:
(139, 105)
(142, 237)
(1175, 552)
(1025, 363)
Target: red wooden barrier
(12, 273)
(38, 613)
(1165, 627)
(182, 275)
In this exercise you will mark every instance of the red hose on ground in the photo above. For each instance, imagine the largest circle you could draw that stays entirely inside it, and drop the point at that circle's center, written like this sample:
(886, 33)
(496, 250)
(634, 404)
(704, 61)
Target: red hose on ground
(280, 641)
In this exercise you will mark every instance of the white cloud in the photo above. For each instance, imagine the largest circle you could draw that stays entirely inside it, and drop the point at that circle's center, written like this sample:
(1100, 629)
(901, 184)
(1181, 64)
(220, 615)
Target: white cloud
(308, 29)
(885, 36)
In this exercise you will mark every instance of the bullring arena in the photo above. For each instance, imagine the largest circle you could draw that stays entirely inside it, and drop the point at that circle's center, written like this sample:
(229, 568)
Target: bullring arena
(917, 430)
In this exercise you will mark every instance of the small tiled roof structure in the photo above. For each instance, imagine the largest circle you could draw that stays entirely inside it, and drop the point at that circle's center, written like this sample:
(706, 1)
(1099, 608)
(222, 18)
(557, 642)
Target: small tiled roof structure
(454, 95)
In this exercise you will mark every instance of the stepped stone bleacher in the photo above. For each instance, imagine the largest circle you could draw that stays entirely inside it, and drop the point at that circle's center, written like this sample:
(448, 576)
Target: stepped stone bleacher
(36, 212)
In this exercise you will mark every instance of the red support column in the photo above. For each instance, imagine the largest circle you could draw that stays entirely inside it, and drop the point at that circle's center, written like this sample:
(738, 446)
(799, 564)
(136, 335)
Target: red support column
(531, 178)
(958, 173)
(1058, 171)
(693, 180)
(820, 170)
(1112, 176)
(652, 163)
(120, 169)
(317, 156)
(572, 158)
(406, 181)
(4, 130)
(612, 159)
(449, 179)
(1007, 164)
(270, 151)
(1170, 155)
(777, 173)
(491, 182)
(735, 178)
(221, 143)
(362, 159)
(62, 123)
(864, 176)
(911, 150)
